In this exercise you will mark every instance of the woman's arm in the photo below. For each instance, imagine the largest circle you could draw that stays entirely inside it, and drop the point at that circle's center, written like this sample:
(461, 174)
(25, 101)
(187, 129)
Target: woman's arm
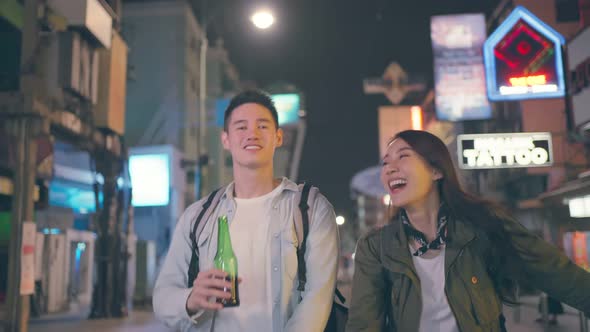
(548, 269)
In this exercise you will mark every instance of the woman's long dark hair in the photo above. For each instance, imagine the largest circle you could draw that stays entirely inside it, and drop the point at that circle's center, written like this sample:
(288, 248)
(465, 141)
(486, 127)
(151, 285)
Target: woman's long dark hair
(484, 215)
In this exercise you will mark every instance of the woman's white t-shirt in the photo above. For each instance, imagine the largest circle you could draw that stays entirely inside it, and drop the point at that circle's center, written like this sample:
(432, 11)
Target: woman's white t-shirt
(437, 315)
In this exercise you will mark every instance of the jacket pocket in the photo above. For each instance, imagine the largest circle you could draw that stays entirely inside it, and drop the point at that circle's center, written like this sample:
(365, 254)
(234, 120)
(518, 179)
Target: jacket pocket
(396, 288)
(403, 299)
(485, 304)
(401, 282)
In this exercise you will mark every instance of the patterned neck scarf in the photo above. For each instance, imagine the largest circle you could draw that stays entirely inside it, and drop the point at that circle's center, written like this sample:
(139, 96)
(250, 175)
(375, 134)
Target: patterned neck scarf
(441, 232)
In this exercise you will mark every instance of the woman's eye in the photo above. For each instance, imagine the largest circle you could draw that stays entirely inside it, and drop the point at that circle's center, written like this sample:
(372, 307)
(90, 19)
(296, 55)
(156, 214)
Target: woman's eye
(403, 156)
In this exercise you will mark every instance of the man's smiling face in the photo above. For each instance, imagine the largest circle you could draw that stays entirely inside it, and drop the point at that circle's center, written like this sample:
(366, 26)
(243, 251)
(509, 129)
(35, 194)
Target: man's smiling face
(251, 136)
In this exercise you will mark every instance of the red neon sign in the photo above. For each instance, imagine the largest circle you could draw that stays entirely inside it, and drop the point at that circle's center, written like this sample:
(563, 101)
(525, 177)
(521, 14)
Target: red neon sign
(523, 59)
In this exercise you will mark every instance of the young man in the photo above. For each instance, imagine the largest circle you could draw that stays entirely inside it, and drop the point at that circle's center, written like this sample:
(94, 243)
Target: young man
(260, 211)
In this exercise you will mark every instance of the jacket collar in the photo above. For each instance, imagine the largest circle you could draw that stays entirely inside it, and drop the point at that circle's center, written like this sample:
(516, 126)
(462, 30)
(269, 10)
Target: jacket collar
(394, 242)
(287, 184)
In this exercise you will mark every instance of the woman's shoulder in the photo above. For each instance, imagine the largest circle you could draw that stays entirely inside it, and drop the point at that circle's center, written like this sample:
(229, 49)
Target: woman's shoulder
(374, 236)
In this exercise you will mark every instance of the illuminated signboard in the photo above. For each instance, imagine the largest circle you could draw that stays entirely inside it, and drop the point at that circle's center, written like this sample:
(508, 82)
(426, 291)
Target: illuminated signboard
(523, 59)
(287, 105)
(79, 198)
(150, 179)
(577, 247)
(483, 151)
(579, 206)
(579, 87)
(459, 75)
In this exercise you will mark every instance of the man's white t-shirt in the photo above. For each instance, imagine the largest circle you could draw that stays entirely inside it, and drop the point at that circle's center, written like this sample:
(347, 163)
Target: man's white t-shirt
(250, 237)
(437, 315)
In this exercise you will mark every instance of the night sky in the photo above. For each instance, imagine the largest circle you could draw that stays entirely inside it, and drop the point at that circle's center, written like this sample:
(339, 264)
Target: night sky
(326, 48)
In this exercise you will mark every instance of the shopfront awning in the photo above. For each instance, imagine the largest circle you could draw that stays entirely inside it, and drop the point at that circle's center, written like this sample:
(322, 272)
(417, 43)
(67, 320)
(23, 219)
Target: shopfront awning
(571, 189)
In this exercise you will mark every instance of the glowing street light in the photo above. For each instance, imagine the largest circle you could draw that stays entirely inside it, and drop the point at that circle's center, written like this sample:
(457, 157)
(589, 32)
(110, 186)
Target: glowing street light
(340, 220)
(262, 19)
(386, 200)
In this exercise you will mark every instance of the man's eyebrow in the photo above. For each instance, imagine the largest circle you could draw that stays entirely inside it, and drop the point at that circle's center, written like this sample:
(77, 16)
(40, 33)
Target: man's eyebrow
(238, 122)
(257, 120)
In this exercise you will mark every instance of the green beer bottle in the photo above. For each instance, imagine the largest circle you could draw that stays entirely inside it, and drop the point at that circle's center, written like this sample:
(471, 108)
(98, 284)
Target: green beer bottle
(226, 261)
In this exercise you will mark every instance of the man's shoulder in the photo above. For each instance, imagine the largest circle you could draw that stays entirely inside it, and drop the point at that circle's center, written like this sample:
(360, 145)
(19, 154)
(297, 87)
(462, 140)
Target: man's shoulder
(321, 209)
(192, 210)
(319, 199)
(195, 206)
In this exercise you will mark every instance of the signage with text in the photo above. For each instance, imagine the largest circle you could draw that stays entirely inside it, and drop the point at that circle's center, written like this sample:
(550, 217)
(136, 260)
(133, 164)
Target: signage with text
(459, 75)
(512, 150)
(523, 59)
(579, 88)
(27, 267)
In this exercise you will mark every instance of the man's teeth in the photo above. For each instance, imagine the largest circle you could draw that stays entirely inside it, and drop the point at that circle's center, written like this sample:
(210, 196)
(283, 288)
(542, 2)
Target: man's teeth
(252, 147)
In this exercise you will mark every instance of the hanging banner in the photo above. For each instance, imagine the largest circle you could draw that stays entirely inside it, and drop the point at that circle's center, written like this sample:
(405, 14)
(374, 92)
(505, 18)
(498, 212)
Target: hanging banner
(459, 75)
(27, 267)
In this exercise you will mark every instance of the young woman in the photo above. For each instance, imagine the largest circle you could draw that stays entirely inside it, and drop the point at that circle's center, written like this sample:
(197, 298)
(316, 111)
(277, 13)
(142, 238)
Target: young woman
(448, 260)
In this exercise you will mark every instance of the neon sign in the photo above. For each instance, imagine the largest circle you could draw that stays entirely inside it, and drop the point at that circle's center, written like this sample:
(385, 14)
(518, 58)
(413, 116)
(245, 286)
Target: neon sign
(528, 80)
(523, 59)
(510, 150)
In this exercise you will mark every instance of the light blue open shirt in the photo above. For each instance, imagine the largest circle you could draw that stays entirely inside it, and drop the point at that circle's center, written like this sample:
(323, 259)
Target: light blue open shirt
(289, 313)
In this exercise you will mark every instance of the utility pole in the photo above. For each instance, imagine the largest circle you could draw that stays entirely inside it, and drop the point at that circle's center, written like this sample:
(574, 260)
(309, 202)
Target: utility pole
(202, 156)
(24, 129)
(25, 124)
(106, 298)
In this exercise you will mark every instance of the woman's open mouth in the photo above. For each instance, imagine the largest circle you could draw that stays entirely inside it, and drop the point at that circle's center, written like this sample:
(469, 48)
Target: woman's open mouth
(397, 185)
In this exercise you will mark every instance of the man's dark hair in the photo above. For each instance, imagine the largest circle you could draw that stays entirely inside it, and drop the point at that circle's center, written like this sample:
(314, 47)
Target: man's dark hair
(251, 96)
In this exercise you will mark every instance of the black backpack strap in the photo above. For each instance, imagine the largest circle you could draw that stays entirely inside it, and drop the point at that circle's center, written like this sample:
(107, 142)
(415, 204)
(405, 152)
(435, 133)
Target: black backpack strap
(339, 295)
(303, 207)
(304, 221)
(193, 267)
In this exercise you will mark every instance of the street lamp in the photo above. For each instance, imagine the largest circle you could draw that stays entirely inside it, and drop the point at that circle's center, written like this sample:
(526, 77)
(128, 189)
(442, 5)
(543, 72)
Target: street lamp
(386, 199)
(340, 220)
(262, 19)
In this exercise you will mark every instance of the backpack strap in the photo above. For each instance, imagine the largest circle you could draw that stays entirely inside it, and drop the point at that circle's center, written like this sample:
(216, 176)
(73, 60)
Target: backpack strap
(302, 223)
(212, 200)
(302, 230)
